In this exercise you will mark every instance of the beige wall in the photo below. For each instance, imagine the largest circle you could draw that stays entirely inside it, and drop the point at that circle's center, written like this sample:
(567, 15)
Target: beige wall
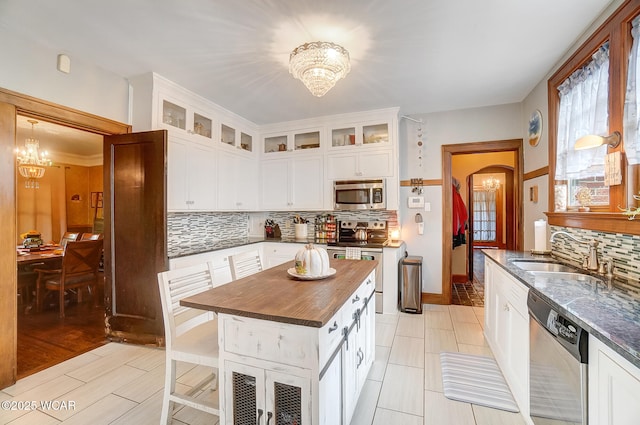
(50, 209)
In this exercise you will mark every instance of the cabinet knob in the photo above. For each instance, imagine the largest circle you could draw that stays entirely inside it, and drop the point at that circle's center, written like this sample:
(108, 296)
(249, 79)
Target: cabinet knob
(355, 300)
(333, 327)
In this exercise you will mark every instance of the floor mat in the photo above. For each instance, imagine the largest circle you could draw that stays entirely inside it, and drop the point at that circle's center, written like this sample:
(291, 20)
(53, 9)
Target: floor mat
(477, 380)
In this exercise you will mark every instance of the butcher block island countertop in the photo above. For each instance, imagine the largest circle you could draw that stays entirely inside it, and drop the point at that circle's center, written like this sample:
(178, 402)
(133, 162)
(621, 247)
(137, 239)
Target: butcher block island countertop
(275, 296)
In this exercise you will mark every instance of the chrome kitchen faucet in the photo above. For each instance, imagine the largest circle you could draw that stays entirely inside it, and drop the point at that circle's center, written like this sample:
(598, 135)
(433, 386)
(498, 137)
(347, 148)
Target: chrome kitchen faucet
(591, 260)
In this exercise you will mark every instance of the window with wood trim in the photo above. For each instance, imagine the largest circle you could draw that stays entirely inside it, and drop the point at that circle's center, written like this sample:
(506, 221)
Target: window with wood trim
(616, 32)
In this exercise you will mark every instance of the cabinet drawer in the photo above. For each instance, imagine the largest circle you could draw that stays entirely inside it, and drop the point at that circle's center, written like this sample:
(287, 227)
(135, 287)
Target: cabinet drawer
(278, 342)
(514, 291)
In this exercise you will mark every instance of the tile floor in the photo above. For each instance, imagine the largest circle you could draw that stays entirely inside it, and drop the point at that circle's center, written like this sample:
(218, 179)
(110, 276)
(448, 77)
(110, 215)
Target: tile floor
(122, 384)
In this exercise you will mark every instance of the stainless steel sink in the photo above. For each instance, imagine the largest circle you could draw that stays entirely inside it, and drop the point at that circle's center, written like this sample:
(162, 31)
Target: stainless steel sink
(572, 276)
(539, 266)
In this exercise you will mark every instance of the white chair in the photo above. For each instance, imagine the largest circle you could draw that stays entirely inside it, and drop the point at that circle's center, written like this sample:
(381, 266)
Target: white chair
(191, 336)
(245, 264)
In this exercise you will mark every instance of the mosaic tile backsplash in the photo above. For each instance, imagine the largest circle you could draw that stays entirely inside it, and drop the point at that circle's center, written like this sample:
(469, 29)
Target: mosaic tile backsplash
(623, 249)
(201, 229)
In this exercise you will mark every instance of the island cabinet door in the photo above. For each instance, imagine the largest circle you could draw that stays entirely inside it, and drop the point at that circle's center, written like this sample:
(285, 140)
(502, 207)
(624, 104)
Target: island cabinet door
(266, 397)
(245, 394)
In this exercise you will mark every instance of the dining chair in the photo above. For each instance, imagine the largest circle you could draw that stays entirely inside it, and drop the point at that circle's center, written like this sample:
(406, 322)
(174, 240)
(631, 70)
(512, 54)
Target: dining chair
(245, 264)
(69, 237)
(91, 236)
(191, 336)
(79, 270)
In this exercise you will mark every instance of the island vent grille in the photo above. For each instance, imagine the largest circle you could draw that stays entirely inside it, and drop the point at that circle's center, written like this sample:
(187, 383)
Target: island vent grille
(244, 399)
(288, 400)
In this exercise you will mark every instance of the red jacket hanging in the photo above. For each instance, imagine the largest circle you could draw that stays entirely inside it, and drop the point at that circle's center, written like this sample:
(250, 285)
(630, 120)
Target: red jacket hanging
(459, 217)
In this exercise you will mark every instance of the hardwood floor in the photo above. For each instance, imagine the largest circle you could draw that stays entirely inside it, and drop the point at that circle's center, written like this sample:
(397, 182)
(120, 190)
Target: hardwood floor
(45, 340)
(471, 293)
(122, 384)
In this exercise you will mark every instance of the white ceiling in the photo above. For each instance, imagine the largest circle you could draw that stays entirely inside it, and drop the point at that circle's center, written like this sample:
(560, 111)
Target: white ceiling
(63, 144)
(421, 55)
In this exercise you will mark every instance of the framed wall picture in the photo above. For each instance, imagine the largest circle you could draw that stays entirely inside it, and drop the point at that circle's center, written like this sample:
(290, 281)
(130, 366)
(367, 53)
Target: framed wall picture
(535, 128)
(96, 200)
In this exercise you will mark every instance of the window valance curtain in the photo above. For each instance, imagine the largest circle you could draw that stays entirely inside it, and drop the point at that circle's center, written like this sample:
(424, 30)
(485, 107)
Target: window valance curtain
(583, 110)
(632, 99)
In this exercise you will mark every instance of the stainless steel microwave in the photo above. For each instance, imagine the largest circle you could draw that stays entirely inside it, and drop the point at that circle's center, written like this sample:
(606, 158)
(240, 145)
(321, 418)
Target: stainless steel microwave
(359, 195)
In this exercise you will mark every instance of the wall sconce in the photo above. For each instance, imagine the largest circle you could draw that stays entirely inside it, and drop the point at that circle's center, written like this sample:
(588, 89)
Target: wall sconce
(592, 141)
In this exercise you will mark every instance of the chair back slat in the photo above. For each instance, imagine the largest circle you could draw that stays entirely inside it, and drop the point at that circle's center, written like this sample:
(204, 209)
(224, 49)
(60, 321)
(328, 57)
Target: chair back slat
(69, 237)
(91, 236)
(176, 285)
(245, 264)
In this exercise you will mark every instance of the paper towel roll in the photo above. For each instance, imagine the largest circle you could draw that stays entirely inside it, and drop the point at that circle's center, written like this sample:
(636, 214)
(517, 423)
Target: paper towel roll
(540, 235)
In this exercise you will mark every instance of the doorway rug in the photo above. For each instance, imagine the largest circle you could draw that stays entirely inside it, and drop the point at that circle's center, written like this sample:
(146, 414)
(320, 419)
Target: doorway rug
(477, 380)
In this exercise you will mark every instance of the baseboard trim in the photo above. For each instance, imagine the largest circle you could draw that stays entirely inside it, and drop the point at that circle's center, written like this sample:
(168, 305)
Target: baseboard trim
(434, 299)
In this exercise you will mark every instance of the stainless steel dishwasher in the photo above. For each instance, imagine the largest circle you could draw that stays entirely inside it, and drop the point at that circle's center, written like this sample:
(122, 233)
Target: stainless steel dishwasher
(557, 366)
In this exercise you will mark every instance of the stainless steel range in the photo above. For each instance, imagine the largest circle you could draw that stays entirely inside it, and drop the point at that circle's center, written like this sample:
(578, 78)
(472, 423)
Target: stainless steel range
(368, 238)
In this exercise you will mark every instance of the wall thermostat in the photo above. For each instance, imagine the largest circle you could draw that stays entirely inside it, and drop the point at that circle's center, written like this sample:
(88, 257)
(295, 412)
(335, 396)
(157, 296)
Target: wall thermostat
(415, 202)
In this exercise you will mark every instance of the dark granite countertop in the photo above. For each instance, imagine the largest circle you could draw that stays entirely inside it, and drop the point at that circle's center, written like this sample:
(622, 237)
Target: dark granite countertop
(193, 249)
(610, 314)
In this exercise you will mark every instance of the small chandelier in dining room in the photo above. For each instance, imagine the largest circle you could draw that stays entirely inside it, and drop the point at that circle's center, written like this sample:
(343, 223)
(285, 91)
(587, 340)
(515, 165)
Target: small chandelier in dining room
(31, 161)
(319, 65)
(491, 184)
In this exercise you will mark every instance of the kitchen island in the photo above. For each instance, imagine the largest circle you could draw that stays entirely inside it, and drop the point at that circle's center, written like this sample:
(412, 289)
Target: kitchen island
(293, 351)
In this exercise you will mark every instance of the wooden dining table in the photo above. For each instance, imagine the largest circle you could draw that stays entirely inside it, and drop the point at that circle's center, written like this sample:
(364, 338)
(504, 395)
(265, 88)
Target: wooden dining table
(45, 254)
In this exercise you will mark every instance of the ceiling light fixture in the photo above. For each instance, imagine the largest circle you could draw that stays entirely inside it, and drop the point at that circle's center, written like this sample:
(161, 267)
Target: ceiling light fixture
(592, 141)
(491, 184)
(319, 65)
(31, 161)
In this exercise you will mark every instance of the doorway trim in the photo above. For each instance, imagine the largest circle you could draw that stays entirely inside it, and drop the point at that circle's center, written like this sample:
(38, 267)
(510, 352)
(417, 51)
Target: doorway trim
(12, 104)
(515, 145)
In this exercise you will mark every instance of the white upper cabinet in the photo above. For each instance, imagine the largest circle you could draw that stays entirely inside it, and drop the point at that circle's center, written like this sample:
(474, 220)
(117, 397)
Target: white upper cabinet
(369, 134)
(237, 182)
(352, 165)
(232, 136)
(281, 143)
(292, 184)
(191, 169)
(184, 120)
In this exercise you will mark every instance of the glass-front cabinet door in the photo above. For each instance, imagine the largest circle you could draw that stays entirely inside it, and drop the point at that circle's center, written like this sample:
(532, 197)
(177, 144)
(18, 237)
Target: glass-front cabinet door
(375, 133)
(276, 143)
(246, 141)
(343, 136)
(174, 115)
(309, 140)
(228, 135)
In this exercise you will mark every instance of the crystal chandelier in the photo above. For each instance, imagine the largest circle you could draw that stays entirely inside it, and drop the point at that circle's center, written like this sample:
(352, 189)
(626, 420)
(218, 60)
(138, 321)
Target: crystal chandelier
(31, 161)
(491, 184)
(319, 65)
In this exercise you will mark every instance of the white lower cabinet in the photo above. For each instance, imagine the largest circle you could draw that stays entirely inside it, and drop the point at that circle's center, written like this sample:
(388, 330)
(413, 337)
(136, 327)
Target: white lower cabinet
(507, 329)
(266, 396)
(614, 387)
(276, 253)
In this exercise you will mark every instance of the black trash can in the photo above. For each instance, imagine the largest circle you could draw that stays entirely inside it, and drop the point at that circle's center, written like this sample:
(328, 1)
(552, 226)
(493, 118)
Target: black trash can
(410, 284)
